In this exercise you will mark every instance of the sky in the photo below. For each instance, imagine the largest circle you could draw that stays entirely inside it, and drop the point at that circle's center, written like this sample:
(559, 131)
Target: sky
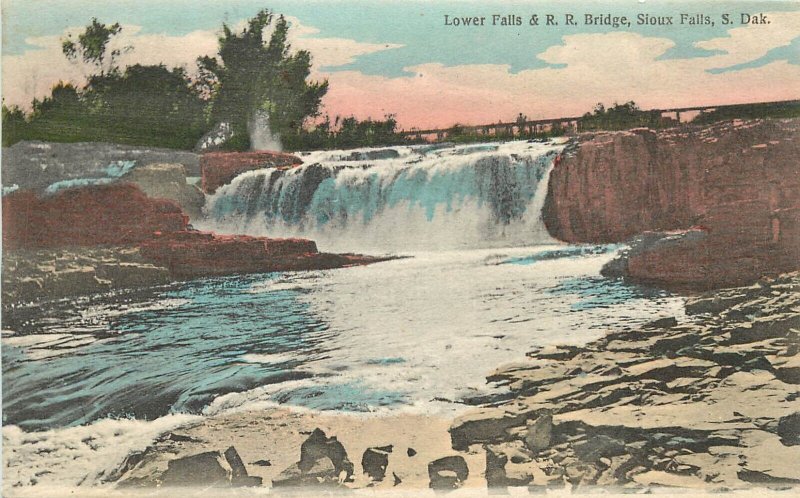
(400, 57)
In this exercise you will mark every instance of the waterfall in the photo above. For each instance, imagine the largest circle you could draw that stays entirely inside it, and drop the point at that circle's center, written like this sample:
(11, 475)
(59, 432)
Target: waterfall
(402, 198)
(261, 136)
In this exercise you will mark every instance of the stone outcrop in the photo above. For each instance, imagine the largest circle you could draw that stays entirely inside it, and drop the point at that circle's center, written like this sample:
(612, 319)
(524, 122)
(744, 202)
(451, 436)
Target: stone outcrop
(707, 402)
(736, 185)
(116, 214)
(191, 254)
(36, 165)
(31, 275)
(323, 461)
(219, 168)
(168, 181)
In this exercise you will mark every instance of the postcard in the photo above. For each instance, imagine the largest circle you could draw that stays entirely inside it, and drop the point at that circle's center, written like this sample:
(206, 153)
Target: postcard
(391, 248)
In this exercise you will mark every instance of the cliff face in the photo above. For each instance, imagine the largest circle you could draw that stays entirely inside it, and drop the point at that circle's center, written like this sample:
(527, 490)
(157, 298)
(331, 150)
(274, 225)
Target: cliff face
(116, 214)
(219, 168)
(737, 184)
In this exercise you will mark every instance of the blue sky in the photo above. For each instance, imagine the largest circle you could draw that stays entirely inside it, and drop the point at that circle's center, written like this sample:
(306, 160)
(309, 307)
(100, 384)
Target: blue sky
(367, 46)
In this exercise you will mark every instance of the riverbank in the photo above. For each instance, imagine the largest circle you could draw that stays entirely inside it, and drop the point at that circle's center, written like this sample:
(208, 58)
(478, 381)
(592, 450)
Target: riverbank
(708, 403)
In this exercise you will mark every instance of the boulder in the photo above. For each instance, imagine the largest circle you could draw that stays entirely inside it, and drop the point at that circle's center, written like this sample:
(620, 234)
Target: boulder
(374, 462)
(219, 168)
(317, 446)
(789, 429)
(202, 470)
(539, 432)
(488, 425)
(448, 473)
(323, 462)
(508, 465)
(168, 181)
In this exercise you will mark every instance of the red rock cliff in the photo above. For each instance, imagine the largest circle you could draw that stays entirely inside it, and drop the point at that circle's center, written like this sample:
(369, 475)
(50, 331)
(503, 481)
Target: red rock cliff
(739, 183)
(116, 214)
(219, 168)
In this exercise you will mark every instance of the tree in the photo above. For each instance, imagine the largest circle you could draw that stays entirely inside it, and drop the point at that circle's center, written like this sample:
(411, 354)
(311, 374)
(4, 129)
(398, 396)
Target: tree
(251, 76)
(91, 47)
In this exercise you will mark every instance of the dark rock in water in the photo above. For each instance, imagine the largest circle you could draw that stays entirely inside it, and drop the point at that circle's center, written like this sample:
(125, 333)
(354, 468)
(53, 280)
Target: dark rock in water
(374, 462)
(323, 461)
(539, 432)
(596, 447)
(411, 452)
(317, 446)
(789, 429)
(204, 469)
(397, 480)
(262, 463)
(448, 473)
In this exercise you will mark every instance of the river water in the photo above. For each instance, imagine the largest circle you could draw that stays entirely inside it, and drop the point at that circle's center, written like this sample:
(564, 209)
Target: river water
(482, 284)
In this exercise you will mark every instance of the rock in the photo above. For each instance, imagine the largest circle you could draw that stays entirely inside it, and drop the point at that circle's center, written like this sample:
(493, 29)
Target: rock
(319, 446)
(411, 452)
(35, 275)
(596, 447)
(116, 214)
(484, 426)
(746, 212)
(323, 462)
(539, 432)
(168, 181)
(219, 168)
(191, 254)
(202, 470)
(581, 474)
(321, 473)
(239, 476)
(789, 429)
(662, 323)
(508, 465)
(36, 165)
(448, 473)
(374, 462)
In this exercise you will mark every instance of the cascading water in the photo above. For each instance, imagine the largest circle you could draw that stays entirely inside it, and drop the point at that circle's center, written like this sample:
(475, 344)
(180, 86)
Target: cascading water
(404, 198)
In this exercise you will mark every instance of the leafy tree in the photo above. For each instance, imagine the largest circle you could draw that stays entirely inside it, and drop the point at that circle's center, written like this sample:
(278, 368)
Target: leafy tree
(91, 47)
(251, 75)
(15, 126)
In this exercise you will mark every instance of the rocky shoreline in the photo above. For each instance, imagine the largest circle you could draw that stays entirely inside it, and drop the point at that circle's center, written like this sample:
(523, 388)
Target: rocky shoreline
(709, 404)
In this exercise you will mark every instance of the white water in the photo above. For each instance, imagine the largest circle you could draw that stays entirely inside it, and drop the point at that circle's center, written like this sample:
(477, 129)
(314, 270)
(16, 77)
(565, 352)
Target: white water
(261, 136)
(409, 199)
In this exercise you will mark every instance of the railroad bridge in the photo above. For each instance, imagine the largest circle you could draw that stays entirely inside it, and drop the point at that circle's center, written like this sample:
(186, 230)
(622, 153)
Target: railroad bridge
(571, 125)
